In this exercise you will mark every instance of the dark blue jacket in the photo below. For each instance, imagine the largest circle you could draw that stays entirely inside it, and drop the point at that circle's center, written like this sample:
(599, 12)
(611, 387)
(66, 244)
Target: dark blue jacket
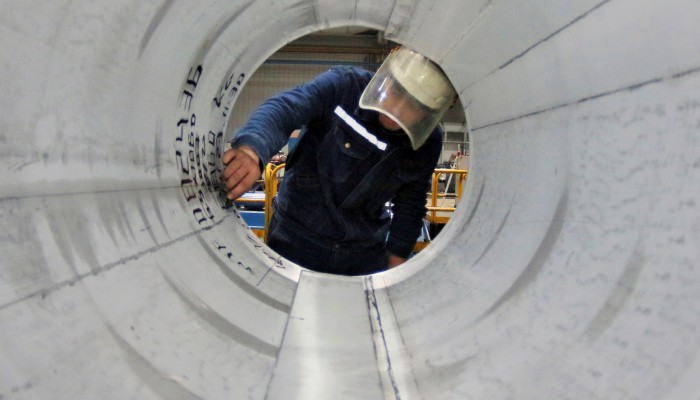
(337, 181)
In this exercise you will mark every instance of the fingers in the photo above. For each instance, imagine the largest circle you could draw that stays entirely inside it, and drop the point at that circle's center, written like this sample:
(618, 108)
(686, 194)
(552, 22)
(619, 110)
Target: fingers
(241, 172)
(228, 156)
(239, 183)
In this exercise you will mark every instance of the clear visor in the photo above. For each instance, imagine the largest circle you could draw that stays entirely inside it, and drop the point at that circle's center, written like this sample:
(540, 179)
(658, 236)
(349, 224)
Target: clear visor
(412, 91)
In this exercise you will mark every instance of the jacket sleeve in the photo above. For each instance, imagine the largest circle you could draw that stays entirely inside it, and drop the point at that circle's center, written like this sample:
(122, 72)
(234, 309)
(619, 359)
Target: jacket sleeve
(409, 204)
(269, 127)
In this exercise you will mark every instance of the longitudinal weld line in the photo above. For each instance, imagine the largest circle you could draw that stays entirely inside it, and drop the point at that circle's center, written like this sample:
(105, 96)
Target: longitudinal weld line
(632, 87)
(544, 40)
(55, 288)
(95, 192)
(284, 334)
(378, 332)
(551, 35)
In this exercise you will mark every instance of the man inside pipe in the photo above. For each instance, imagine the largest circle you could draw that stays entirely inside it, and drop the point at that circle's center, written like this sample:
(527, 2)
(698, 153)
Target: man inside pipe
(354, 192)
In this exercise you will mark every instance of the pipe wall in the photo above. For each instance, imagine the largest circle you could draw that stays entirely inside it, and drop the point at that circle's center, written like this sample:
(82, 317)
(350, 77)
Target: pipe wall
(569, 270)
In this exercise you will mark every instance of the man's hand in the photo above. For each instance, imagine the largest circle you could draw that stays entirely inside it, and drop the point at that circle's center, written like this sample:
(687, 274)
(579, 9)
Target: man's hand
(241, 171)
(394, 261)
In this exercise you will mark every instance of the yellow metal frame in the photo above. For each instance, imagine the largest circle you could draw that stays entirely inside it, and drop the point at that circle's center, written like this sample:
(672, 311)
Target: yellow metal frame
(271, 181)
(435, 194)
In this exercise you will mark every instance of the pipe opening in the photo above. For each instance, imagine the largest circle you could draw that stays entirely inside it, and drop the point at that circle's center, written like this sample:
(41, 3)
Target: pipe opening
(301, 61)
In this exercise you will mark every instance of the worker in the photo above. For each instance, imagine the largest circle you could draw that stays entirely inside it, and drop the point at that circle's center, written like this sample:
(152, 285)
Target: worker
(353, 198)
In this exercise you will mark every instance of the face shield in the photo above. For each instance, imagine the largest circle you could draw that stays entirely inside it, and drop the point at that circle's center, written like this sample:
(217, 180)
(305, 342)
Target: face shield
(412, 91)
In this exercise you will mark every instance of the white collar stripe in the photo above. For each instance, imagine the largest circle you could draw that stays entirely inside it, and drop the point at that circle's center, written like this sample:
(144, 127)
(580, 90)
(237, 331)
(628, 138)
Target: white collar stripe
(359, 128)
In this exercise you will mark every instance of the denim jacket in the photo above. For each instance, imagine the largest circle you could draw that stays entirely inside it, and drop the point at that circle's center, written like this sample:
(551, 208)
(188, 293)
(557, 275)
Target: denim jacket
(345, 167)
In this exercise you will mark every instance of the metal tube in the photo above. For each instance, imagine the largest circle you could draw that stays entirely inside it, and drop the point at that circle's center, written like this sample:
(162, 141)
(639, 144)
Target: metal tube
(569, 270)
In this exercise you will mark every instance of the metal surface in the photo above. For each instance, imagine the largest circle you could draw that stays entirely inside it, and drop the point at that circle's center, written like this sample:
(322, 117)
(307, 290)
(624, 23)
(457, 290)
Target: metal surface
(569, 270)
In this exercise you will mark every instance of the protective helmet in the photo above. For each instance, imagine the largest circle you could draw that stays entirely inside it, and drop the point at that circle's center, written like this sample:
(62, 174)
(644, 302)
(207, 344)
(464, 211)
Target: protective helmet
(411, 90)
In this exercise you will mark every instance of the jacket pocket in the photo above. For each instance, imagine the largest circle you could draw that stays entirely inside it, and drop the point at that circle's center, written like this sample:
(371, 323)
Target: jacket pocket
(342, 154)
(302, 200)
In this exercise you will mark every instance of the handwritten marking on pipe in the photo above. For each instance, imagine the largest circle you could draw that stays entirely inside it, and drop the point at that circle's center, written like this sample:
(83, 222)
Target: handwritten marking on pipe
(197, 155)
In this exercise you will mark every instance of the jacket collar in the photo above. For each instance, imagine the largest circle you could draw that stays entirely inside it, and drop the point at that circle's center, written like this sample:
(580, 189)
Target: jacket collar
(370, 119)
